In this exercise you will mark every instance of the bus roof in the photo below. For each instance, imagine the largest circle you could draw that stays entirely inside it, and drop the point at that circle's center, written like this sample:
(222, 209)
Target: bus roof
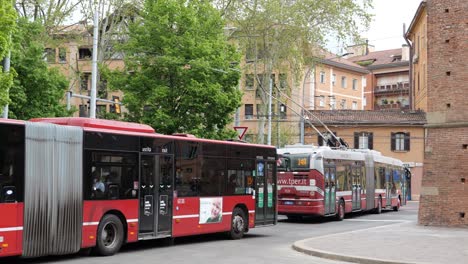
(326, 152)
(97, 123)
(127, 128)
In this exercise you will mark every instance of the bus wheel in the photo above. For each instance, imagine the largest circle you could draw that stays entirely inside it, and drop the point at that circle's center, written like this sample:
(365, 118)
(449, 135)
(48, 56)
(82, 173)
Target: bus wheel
(110, 235)
(341, 211)
(238, 224)
(379, 206)
(397, 207)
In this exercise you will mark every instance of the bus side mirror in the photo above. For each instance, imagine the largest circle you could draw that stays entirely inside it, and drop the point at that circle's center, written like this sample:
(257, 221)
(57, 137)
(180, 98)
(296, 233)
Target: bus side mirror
(8, 194)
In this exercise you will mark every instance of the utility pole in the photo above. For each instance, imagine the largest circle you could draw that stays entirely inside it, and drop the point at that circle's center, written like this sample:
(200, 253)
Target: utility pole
(270, 90)
(92, 108)
(6, 69)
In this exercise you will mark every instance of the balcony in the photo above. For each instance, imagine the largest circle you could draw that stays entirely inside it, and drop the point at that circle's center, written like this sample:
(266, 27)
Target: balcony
(389, 89)
(394, 106)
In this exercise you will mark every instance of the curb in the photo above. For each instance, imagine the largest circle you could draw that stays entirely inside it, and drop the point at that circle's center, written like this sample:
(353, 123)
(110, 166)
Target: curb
(300, 247)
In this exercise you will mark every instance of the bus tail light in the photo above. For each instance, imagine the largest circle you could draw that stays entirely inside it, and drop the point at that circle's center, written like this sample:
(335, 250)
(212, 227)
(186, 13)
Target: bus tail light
(5, 245)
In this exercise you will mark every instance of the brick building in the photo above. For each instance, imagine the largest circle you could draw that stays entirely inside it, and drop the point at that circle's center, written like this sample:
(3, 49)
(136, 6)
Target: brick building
(444, 193)
(396, 134)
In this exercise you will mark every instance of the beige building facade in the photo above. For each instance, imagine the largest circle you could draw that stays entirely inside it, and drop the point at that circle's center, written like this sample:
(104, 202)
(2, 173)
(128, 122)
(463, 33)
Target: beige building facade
(73, 57)
(334, 83)
(417, 36)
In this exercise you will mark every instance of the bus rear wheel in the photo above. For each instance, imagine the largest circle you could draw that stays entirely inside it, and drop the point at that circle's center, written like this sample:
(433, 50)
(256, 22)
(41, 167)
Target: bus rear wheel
(238, 224)
(110, 235)
(341, 211)
(379, 206)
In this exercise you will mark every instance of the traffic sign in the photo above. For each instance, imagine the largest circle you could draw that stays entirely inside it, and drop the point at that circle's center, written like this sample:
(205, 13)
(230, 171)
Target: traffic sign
(240, 131)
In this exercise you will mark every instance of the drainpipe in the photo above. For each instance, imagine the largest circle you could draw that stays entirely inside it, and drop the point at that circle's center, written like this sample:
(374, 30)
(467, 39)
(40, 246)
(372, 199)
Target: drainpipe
(410, 67)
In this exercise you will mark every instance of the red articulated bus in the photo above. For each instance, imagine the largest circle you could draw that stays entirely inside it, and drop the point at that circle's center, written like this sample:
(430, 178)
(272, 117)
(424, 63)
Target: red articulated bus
(73, 183)
(323, 181)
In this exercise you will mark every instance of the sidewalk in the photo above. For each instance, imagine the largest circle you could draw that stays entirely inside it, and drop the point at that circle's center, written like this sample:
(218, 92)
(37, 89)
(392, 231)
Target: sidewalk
(404, 242)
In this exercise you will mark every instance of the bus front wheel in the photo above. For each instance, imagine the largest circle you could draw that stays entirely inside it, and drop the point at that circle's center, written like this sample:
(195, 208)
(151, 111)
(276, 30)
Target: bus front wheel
(397, 207)
(110, 235)
(238, 224)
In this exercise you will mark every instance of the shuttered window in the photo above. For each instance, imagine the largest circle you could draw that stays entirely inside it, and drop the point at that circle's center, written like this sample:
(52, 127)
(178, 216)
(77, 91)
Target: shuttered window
(400, 141)
(363, 140)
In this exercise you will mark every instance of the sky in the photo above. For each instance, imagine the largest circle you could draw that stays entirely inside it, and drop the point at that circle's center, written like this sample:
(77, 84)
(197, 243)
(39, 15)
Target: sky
(386, 28)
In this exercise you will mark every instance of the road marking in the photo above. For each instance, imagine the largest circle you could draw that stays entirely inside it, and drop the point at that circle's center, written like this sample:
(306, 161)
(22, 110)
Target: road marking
(378, 220)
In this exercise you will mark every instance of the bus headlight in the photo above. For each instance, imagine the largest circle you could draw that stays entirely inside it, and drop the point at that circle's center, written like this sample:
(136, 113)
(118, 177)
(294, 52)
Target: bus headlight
(312, 182)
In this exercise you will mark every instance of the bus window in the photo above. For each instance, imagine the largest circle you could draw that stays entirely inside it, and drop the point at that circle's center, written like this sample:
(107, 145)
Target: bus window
(187, 171)
(238, 175)
(11, 163)
(284, 164)
(212, 176)
(110, 175)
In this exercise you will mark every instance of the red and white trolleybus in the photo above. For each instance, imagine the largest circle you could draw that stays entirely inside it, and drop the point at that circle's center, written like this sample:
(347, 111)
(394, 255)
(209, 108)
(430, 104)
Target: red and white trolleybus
(332, 182)
(72, 183)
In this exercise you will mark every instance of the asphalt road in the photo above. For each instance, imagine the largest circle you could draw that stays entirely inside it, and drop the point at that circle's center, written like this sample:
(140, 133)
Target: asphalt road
(260, 245)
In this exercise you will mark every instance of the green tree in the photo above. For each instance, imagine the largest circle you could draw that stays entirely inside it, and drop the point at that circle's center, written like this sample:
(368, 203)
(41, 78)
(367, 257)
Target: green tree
(7, 28)
(37, 91)
(288, 36)
(180, 74)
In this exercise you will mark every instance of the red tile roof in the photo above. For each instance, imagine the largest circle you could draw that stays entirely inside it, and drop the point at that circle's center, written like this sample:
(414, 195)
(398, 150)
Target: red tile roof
(367, 117)
(379, 57)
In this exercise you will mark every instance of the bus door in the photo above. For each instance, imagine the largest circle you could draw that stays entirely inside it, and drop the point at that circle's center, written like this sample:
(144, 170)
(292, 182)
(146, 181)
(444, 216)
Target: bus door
(265, 193)
(156, 191)
(356, 188)
(330, 190)
(388, 186)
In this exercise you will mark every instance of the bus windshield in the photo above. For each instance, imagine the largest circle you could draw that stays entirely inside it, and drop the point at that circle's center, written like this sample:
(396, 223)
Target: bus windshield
(294, 162)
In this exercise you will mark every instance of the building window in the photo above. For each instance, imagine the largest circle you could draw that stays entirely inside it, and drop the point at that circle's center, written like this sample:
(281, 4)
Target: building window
(249, 81)
(354, 106)
(85, 53)
(62, 55)
(283, 81)
(343, 104)
(322, 101)
(249, 111)
(400, 141)
(333, 79)
(343, 81)
(84, 81)
(283, 112)
(322, 77)
(363, 140)
(355, 84)
(49, 55)
(260, 111)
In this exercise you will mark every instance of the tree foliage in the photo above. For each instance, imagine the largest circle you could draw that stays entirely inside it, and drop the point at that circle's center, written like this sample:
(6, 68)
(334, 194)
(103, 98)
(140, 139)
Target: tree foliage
(37, 91)
(7, 28)
(286, 36)
(52, 14)
(179, 70)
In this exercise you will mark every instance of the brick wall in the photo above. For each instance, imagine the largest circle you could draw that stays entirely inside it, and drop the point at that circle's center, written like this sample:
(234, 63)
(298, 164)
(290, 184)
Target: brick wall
(444, 196)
